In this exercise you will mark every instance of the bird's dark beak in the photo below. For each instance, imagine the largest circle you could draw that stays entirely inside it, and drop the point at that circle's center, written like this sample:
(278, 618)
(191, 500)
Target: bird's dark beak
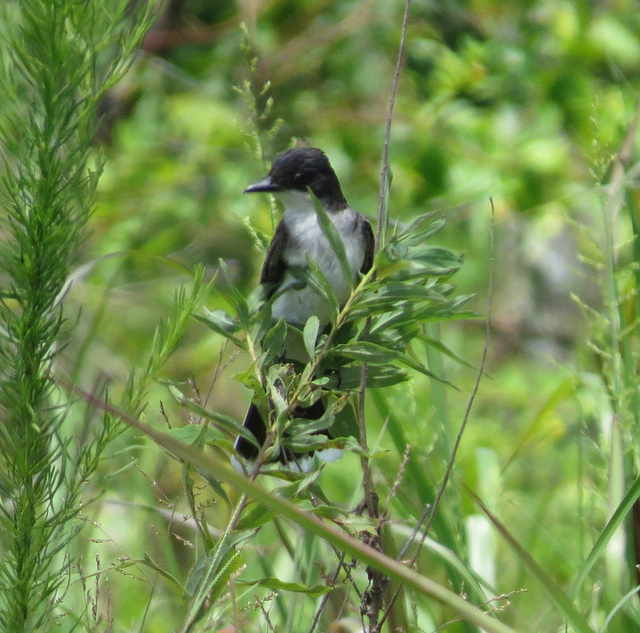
(266, 184)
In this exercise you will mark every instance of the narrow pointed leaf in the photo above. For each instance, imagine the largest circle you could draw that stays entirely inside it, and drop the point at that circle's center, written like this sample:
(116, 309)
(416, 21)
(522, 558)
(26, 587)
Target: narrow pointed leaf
(310, 335)
(281, 585)
(331, 233)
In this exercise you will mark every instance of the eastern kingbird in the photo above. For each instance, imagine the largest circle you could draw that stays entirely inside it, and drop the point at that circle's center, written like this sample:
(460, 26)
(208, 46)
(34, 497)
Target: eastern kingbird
(299, 238)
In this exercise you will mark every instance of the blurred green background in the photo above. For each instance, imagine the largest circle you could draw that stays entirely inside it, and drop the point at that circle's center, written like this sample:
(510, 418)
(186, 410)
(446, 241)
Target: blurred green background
(524, 102)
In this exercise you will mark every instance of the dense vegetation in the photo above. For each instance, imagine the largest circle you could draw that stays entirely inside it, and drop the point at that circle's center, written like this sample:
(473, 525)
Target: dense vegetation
(118, 186)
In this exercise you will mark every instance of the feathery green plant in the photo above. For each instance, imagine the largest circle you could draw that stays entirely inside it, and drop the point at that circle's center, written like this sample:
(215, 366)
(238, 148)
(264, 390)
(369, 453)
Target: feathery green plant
(59, 58)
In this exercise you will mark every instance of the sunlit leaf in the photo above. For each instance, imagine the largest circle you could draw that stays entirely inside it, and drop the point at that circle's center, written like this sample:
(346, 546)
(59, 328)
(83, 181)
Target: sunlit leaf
(310, 335)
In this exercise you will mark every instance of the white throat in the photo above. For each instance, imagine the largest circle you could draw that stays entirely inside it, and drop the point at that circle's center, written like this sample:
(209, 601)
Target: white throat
(297, 202)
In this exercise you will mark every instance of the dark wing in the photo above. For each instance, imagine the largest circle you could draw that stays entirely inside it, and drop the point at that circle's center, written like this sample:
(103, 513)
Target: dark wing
(369, 244)
(254, 423)
(275, 265)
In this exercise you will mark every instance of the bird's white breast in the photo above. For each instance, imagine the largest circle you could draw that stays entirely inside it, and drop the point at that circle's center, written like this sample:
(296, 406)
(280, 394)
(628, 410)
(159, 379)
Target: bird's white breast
(307, 240)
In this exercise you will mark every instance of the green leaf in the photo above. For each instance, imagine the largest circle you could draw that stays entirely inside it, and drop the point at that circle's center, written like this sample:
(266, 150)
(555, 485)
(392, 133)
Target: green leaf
(222, 323)
(438, 257)
(405, 317)
(393, 252)
(377, 376)
(387, 294)
(258, 515)
(300, 427)
(210, 574)
(420, 228)
(263, 323)
(444, 349)
(412, 363)
(420, 269)
(225, 421)
(310, 335)
(273, 342)
(297, 489)
(366, 352)
(281, 585)
(308, 442)
(396, 338)
(217, 487)
(316, 279)
(312, 276)
(149, 562)
(191, 433)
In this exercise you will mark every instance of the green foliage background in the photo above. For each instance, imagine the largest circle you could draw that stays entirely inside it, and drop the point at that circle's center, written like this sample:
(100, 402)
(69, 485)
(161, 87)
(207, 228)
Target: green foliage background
(525, 102)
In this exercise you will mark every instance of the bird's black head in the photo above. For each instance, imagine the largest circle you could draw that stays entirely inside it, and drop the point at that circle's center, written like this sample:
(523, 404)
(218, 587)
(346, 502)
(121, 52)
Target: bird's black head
(301, 168)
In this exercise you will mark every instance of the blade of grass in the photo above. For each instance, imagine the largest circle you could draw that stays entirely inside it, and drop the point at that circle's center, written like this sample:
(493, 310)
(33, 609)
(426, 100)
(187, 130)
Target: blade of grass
(621, 512)
(558, 597)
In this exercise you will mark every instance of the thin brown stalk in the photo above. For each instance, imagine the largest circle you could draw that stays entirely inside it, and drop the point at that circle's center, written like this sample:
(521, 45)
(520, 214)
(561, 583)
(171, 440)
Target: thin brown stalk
(382, 223)
(383, 218)
(429, 511)
(379, 583)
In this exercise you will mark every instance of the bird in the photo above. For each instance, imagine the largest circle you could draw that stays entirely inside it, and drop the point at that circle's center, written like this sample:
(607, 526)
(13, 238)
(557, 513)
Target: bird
(298, 239)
